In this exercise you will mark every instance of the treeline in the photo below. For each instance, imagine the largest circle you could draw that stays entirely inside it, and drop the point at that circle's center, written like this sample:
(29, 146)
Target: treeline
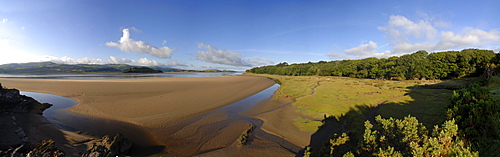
(418, 65)
(141, 70)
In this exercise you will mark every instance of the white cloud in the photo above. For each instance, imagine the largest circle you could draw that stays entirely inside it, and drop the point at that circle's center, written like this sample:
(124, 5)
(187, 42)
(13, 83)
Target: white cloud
(176, 63)
(408, 36)
(441, 24)
(140, 62)
(68, 60)
(128, 44)
(213, 55)
(470, 37)
(403, 30)
(4, 20)
(256, 61)
(363, 49)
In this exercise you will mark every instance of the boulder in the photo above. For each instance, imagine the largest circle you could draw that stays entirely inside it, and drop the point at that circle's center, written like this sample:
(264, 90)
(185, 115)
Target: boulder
(10, 97)
(106, 146)
(12, 101)
(46, 148)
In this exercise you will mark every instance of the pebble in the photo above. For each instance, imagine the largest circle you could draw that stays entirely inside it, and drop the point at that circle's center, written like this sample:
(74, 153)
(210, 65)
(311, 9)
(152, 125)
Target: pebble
(19, 129)
(25, 139)
(21, 134)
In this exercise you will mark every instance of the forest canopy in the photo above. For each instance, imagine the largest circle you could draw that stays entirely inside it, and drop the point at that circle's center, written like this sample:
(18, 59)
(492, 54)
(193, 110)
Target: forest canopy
(141, 70)
(418, 65)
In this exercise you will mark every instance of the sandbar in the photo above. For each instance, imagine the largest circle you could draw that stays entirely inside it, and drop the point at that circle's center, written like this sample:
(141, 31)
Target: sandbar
(150, 102)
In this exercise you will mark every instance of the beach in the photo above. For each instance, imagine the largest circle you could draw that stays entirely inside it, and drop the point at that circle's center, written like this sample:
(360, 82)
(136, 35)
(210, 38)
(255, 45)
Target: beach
(163, 105)
(147, 102)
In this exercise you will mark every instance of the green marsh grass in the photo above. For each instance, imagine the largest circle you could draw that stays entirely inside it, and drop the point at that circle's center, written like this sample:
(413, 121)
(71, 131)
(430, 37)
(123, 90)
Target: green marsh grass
(335, 96)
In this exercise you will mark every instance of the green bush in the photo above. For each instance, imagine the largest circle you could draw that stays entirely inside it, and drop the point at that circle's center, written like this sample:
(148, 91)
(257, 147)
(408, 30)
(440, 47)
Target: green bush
(478, 117)
(403, 137)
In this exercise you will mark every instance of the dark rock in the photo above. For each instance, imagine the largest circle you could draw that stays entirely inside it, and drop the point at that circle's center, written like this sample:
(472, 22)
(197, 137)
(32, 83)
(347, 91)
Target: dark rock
(46, 148)
(12, 101)
(13, 152)
(10, 97)
(106, 146)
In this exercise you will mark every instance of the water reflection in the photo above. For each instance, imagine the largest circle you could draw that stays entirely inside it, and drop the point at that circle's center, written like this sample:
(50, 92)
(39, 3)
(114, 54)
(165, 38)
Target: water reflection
(58, 114)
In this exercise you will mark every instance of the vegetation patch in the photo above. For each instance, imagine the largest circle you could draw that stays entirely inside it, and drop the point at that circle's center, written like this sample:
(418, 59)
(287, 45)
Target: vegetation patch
(245, 135)
(318, 97)
(307, 125)
(141, 70)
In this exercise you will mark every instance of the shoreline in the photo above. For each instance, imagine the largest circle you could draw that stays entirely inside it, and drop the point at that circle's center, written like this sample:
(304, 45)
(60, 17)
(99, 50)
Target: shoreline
(149, 102)
(153, 103)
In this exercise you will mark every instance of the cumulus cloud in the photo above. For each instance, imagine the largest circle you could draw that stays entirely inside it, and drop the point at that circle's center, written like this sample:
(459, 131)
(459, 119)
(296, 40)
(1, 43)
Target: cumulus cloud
(176, 63)
(112, 60)
(256, 61)
(69, 60)
(442, 24)
(403, 30)
(128, 44)
(140, 61)
(407, 36)
(363, 49)
(4, 20)
(470, 37)
(214, 55)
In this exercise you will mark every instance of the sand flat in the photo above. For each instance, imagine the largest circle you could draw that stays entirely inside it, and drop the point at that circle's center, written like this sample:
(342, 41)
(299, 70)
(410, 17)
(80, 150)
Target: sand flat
(148, 102)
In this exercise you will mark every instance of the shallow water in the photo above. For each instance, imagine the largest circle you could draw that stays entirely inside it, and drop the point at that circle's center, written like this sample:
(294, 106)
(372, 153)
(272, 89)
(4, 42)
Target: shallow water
(236, 112)
(118, 75)
(66, 120)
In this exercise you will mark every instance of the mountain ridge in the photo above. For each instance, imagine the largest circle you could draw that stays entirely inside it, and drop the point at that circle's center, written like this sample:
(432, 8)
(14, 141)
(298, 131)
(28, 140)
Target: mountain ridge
(51, 67)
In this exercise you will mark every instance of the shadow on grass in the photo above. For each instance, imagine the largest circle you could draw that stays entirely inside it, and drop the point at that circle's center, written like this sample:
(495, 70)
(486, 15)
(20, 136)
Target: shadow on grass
(428, 103)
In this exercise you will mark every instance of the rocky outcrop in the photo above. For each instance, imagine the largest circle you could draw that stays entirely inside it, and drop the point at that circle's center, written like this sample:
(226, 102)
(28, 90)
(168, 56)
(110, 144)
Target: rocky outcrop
(13, 104)
(21, 129)
(106, 146)
(46, 148)
(12, 101)
(14, 133)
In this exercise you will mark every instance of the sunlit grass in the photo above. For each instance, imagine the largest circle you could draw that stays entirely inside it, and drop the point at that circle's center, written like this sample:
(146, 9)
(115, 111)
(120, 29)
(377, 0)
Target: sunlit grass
(428, 105)
(307, 125)
(335, 96)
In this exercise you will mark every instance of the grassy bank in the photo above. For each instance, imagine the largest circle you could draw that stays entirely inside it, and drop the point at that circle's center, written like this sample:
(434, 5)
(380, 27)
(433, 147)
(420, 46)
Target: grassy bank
(317, 97)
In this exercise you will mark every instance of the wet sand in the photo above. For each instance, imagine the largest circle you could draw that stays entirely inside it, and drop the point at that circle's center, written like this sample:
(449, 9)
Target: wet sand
(163, 106)
(277, 116)
(153, 102)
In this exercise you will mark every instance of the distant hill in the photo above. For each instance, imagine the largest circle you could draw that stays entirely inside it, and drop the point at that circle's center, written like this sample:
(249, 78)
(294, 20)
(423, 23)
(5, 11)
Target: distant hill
(141, 70)
(215, 70)
(50, 67)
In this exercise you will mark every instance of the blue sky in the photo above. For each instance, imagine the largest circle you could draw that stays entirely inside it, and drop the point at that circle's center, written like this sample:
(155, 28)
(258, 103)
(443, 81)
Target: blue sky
(238, 34)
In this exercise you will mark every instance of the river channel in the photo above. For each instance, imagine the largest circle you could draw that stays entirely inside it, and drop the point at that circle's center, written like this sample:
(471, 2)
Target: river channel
(146, 143)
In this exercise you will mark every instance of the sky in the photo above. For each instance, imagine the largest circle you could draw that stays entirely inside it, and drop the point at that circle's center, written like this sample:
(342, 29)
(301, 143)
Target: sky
(239, 34)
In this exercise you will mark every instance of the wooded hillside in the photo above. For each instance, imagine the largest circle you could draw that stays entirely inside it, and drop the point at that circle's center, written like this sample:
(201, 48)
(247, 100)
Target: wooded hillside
(418, 65)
